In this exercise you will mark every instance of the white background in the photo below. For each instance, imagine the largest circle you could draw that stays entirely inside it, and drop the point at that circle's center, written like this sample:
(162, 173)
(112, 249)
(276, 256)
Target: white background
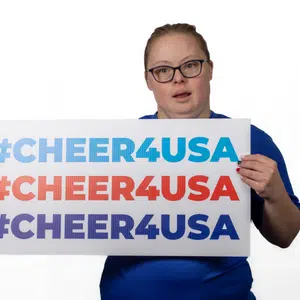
(84, 59)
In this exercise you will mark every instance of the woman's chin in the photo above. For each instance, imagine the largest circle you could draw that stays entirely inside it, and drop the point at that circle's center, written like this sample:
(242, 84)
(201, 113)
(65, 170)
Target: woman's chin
(182, 111)
(183, 115)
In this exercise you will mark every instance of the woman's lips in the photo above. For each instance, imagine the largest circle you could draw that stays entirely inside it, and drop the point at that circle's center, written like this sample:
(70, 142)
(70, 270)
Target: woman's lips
(182, 96)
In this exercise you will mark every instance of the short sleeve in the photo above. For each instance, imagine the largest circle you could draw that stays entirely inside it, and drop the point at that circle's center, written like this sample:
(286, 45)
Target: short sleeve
(262, 143)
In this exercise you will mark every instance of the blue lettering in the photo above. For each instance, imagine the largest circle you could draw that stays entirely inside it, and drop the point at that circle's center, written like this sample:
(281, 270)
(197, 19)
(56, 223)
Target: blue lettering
(229, 152)
(203, 151)
(18, 150)
(95, 149)
(55, 226)
(193, 224)
(126, 153)
(151, 231)
(166, 150)
(125, 229)
(93, 226)
(15, 226)
(72, 149)
(229, 230)
(165, 227)
(145, 152)
(70, 226)
(44, 150)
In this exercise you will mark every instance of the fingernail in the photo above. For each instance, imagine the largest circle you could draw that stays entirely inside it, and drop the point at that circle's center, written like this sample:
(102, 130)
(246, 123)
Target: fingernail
(238, 169)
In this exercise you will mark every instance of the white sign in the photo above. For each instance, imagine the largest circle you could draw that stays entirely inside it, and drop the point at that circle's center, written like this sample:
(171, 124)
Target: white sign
(124, 187)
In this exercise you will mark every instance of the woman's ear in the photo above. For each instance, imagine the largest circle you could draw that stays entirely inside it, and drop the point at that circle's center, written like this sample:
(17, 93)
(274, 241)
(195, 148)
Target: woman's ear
(211, 67)
(148, 81)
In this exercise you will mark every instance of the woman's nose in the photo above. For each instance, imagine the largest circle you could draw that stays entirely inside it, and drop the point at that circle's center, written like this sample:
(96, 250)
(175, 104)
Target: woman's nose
(178, 77)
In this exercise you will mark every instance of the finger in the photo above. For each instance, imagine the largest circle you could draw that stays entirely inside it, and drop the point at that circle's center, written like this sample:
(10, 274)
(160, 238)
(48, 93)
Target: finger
(257, 186)
(259, 158)
(253, 165)
(251, 174)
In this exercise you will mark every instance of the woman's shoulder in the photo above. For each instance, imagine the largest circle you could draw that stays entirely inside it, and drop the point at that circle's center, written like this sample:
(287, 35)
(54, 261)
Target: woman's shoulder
(153, 116)
(258, 136)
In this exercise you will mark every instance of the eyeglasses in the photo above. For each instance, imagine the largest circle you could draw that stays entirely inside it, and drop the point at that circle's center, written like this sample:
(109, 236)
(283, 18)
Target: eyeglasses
(189, 69)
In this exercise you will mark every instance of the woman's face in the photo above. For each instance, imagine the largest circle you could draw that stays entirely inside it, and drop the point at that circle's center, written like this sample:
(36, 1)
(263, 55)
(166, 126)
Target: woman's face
(193, 100)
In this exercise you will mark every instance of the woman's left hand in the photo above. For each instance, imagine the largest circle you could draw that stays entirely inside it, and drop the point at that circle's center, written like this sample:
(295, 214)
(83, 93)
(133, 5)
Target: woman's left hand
(262, 175)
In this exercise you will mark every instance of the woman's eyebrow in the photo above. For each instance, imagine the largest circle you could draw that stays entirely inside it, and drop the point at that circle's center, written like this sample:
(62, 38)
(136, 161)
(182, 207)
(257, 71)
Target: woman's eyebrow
(169, 63)
(162, 62)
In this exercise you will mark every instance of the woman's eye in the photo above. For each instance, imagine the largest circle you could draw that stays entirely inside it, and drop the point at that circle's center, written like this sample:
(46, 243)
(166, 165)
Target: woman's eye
(163, 70)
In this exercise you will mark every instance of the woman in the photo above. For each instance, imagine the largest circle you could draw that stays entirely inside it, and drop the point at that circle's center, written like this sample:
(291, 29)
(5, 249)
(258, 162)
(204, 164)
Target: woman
(178, 71)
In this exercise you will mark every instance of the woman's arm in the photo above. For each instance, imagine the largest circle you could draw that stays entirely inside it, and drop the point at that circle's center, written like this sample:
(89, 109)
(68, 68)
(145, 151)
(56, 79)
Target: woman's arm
(281, 217)
(281, 221)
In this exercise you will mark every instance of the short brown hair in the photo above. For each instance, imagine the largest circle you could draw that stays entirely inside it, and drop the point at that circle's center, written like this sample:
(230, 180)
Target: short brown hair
(175, 28)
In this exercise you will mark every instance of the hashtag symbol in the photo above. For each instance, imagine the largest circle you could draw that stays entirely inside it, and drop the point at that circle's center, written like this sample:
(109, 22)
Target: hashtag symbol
(4, 184)
(3, 222)
(4, 150)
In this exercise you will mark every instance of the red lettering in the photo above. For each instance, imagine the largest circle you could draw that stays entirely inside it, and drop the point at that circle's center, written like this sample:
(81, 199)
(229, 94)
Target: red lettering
(166, 189)
(55, 188)
(71, 187)
(194, 184)
(144, 190)
(224, 181)
(125, 191)
(16, 188)
(94, 187)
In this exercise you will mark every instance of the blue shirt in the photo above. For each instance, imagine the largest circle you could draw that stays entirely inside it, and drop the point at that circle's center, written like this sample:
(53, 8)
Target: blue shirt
(192, 278)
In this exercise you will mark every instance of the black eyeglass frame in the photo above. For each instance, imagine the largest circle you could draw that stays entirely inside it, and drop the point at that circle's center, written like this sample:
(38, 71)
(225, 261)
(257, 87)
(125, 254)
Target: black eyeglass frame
(178, 68)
